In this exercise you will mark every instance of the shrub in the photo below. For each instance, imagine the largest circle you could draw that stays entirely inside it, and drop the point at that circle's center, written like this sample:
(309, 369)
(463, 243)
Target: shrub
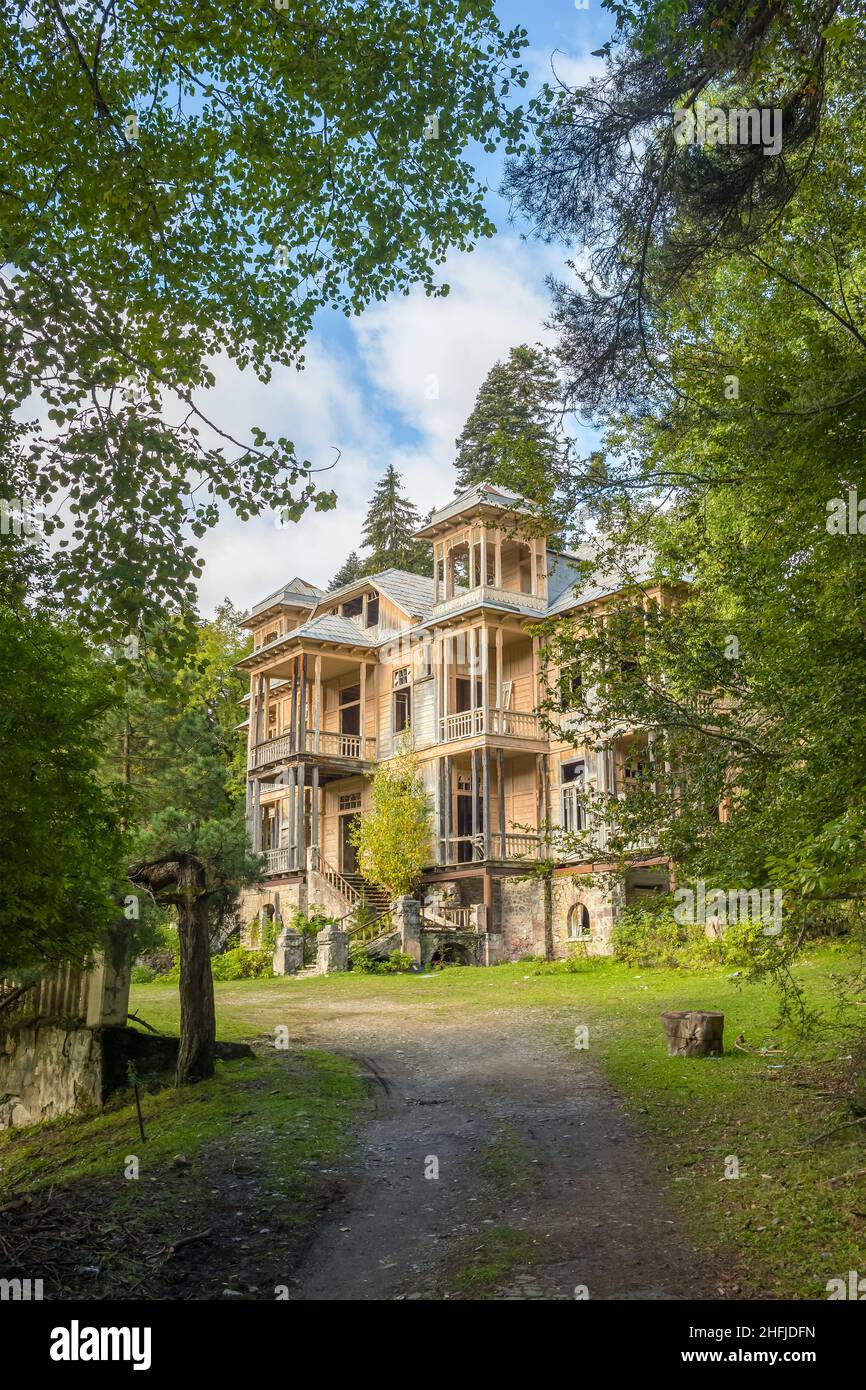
(653, 937)
(142, 974)
(396, 964)
(242, 964)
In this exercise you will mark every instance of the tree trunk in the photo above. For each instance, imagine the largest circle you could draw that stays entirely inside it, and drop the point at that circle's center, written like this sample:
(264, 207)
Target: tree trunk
(697, 1033)
(195, 1060)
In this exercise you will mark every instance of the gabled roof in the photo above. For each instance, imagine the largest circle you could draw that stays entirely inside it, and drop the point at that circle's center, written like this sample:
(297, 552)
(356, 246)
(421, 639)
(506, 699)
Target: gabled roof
(474, 499)
(297, 593)
(411, 592)
(331, 627)
(638, 571)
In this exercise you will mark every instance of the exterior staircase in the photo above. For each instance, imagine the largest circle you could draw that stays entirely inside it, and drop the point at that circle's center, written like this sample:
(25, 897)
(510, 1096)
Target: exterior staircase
(362, 900)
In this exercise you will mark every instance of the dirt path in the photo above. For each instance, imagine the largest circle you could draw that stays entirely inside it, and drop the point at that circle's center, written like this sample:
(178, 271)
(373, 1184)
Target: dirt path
(541, 1186)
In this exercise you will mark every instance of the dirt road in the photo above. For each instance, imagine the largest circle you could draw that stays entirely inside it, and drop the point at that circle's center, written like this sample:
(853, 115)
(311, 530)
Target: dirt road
(498, 1163)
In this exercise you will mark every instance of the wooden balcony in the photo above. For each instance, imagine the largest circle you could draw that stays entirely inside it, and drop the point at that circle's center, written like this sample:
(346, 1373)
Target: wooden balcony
(486, 593)
(473, 723)
(469, 849)
(353, 747)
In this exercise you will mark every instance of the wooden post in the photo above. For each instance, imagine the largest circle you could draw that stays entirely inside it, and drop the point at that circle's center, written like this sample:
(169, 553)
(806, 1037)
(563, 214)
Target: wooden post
(317, 701)
(500, 779)
(301, 836)
(473, 756)
(696, 1033)
(533, 565)
(484, 557)
(302, 713)
(315, 797)
(293, 722)
(485, 679)
(497, 561)
(257, 815)
(485, 801)
(499, 671)
(447, 790)
(362, 713)
(446, 657)
(290, 837)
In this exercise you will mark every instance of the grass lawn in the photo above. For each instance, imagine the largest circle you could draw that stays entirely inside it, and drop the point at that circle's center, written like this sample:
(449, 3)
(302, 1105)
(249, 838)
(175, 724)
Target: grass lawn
(796, 1215)
(259, 1146)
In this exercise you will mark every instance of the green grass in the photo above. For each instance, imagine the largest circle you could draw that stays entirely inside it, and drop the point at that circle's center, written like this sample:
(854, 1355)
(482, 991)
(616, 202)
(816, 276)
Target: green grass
(795, 1217)
(273, 1123)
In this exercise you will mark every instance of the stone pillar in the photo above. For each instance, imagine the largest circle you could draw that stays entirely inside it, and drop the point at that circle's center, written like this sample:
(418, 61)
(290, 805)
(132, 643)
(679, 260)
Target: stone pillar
(288, 952)
(407, 919)
(480, 916)
(332, 951)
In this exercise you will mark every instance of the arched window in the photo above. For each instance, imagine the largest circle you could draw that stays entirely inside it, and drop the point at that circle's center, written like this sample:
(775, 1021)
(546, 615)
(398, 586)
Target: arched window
(578, 922)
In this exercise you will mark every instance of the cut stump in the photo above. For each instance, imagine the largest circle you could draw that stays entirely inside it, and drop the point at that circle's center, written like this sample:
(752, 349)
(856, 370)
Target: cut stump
(695, 1033)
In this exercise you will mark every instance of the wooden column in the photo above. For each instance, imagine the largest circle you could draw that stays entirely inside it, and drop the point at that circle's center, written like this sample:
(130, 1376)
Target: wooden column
(485, 677)
(301, 835)
(291, 809)
(499, 668)
(536, 697)
(317, 701)
(446, 658)
(315, 796)
(485, 799)
(257, 816)
(533, 565)
(302, 712)
(497, 561)
(447, 808)
(500, 779)
(483, 556)
(474, 757)
(293, 722)
(362, 714)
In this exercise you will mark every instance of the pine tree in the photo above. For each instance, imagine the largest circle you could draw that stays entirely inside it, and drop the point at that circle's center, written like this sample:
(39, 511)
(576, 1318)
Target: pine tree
(389, 530)
(351, 569)
(512, 430)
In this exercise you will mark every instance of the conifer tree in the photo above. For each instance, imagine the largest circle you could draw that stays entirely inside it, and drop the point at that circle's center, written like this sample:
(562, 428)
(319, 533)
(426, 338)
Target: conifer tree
(351, 569)
(515, 416)
(389, 529)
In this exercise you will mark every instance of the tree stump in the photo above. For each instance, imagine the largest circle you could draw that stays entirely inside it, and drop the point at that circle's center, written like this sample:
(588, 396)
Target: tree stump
(696, 1033)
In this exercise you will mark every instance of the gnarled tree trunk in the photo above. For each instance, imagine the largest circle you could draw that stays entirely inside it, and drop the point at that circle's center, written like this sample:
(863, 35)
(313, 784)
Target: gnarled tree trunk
(182, 881)
(195, 1060)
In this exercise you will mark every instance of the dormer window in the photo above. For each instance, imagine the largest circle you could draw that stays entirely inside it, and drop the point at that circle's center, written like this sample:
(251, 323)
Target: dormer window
(353, 607)
(371, 615)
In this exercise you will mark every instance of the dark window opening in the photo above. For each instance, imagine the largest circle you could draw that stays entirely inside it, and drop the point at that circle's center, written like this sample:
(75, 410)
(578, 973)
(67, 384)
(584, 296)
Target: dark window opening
(402, 710)
(372, 610)
(354, 607)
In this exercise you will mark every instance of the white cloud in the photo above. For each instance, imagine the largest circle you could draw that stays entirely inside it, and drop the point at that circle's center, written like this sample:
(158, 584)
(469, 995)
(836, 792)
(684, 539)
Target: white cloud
(378, 405)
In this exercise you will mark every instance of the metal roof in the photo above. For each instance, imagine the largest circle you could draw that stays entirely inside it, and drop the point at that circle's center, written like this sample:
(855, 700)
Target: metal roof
(481, 495)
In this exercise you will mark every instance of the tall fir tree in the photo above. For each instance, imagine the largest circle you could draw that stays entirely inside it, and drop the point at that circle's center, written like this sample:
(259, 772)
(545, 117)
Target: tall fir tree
(351, 569)
(389, 529)
(514, 423)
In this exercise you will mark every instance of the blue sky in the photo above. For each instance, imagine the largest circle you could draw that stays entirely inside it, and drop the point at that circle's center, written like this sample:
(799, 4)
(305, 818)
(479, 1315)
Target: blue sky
(395, 384)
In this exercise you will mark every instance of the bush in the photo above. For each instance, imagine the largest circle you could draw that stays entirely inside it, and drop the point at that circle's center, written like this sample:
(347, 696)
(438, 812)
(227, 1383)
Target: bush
(142, 974)
(397, 963)
(653, 937)
(242, 964)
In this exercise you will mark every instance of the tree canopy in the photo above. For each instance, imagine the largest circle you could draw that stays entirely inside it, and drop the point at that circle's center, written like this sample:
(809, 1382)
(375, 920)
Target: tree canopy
(185, 186)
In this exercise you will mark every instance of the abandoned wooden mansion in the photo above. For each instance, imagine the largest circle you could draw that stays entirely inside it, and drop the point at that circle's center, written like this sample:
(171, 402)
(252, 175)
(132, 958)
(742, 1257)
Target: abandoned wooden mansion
(338, 679)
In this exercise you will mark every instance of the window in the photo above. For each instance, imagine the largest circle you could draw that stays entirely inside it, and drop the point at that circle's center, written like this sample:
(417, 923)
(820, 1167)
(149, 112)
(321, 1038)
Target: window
(578, 922)
(570, 687)
(402, 710)
(372, 616)
(572, 776)
(350, 801)
(354, 607)
(401, 677)
(350, 709)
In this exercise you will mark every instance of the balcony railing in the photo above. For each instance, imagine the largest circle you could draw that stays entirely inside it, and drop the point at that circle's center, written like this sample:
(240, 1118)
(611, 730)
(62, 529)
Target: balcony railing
(471, 722)
(469, 849)
(357, 747)
(486, 593)
(281, 861)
